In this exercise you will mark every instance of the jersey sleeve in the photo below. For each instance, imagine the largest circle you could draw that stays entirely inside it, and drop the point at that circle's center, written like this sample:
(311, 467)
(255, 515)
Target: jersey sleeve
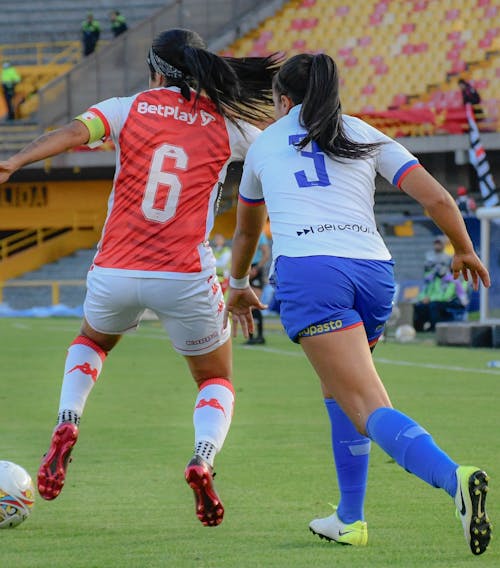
(250, 192)
(241, 137)
(105, 119)
(393, 161)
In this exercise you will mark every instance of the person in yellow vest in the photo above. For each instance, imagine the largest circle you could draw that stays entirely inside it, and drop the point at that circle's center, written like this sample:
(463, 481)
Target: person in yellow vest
(10, 78)
(91, 31)
(118, 23)
(443, 298)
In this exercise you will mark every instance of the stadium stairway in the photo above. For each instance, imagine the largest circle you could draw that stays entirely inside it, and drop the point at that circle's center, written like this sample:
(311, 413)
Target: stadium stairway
(57, 20)
(15, 135)
(71, 268)
(35, 247)
(409, 255)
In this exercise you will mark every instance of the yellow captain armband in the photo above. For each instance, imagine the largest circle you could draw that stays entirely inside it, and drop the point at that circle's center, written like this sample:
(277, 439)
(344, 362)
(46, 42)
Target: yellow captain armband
(95, 125)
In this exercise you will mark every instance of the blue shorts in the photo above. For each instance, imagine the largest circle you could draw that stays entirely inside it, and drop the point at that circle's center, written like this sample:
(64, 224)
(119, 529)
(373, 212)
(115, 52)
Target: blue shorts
(320, 294)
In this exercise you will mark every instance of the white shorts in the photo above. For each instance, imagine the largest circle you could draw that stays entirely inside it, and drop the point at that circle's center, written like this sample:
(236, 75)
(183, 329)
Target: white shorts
(191, 311)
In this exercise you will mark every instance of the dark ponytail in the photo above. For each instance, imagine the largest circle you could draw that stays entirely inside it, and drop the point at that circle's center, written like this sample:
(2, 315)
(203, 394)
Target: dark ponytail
(313, 81)
(239, 88)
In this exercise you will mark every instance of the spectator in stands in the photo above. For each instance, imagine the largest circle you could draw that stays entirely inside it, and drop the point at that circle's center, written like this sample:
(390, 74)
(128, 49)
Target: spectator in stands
(469, 93)
(153, 253)
(91, 32)
(437, 255)
(258, 279)
(465, 202)
(471, 96)
(222, 255)
(313, 172)
(10, 79)
(443, 298)
(118, 23)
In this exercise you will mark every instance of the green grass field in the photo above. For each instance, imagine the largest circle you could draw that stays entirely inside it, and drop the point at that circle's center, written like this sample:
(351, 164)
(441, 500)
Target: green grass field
(125, 502)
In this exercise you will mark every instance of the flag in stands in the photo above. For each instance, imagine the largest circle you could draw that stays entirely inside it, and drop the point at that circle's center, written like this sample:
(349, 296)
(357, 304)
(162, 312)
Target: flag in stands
(478, 158)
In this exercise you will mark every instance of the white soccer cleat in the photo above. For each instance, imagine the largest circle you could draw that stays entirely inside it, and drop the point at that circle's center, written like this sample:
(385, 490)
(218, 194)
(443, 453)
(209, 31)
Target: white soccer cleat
(332, 528)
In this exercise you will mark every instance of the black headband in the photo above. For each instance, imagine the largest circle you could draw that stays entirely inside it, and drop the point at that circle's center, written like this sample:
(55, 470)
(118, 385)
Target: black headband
(162, 67)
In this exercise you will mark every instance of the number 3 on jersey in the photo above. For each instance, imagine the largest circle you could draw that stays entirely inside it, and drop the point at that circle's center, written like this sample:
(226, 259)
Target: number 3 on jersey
(319, 164)
(158, 177)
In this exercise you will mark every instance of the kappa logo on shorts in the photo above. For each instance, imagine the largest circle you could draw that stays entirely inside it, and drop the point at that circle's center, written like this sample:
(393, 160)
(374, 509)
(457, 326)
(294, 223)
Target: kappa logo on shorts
(202, 340)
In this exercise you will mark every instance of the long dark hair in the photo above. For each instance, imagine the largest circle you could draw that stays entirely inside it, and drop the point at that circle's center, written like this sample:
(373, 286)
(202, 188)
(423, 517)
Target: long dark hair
(239, 87)
(313, 81)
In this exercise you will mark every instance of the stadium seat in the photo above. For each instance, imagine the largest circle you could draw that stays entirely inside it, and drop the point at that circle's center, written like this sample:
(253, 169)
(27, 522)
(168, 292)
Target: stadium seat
(430, 43)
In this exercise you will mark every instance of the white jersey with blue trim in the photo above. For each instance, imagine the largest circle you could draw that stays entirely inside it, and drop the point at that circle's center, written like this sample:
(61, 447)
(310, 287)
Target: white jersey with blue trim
(316, 205)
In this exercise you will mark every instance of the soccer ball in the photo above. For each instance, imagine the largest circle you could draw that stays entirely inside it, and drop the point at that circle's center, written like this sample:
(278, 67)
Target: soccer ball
(405, 333)
(17, 495)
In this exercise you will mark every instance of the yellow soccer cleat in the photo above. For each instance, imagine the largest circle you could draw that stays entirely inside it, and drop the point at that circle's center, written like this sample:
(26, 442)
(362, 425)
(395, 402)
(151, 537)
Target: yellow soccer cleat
(470, 500)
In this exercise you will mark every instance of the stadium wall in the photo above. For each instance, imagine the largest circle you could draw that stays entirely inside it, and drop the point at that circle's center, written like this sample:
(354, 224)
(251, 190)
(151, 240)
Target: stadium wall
(47, 203)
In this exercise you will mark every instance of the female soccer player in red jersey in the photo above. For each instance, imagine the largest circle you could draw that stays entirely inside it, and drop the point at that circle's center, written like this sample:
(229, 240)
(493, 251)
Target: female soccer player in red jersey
(174, 142)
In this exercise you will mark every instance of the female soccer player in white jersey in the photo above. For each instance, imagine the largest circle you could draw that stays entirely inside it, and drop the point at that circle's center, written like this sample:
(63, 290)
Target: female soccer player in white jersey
(174, 142)
(315, 171)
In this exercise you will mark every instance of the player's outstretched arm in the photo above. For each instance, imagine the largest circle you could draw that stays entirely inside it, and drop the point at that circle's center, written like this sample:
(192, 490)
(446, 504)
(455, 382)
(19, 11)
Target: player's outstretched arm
(50, 144)
(443, 210)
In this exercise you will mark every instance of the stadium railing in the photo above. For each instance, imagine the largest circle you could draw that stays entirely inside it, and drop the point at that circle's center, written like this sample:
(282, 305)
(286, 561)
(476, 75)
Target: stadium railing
(55, 287)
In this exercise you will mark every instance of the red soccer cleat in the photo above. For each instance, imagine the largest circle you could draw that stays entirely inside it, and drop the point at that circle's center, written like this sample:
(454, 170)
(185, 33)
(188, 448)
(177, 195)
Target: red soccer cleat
(52, 472)
(209, 508)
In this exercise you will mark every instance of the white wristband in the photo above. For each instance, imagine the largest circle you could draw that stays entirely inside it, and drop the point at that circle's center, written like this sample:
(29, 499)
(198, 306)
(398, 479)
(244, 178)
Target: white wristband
(239, 283)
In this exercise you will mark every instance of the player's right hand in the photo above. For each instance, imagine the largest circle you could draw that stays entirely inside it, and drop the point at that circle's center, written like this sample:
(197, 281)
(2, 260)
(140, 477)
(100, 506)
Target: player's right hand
(240, 304)
(6, 170)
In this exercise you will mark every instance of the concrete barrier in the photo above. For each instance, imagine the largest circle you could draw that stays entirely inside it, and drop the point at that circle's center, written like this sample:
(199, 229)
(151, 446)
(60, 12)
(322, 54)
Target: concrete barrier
(467, 334)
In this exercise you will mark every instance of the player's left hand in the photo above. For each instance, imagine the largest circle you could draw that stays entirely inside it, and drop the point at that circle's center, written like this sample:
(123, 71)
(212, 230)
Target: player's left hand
(240, 304)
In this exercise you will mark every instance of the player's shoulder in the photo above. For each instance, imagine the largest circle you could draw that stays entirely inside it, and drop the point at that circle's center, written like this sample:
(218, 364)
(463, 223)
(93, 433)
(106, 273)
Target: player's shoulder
(355, 123)
(268, 135)
(360, 131)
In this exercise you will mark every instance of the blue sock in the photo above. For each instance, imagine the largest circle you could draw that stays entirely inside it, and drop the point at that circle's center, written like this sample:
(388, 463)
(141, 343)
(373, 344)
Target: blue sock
(351, 451)
(412, 447)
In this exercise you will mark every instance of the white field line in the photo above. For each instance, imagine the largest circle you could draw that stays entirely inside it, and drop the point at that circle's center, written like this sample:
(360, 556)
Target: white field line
(160, 334)
(392, 362)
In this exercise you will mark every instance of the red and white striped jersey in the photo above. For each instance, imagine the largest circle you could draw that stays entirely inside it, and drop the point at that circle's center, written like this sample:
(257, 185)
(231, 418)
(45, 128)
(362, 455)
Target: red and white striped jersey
(170, 159)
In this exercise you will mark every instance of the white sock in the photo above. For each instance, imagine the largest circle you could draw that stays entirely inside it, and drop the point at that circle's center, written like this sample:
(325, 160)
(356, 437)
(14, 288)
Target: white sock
(212, 417)
(82, 368)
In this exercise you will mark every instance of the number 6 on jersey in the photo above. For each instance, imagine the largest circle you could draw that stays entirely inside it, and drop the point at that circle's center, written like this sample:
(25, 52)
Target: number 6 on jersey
(159, 177)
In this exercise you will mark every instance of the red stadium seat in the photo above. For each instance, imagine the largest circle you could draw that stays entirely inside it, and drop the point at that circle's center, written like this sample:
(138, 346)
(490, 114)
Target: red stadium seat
(407, 28)
(452, 15)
